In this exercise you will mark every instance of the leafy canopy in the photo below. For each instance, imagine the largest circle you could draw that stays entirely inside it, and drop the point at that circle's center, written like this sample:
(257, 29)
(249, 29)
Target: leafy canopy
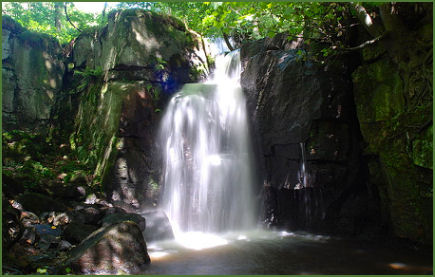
(240, 20)
(45, 17)
(252, 20)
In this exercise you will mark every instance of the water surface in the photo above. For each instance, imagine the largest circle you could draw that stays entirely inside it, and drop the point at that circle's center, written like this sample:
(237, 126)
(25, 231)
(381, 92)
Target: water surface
(267, 252)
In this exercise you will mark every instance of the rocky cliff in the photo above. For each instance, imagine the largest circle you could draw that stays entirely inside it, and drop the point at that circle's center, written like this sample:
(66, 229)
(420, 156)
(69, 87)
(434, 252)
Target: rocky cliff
(128, 69)
(32, 75)
(308, 138)
(393, 91)
(346, 146)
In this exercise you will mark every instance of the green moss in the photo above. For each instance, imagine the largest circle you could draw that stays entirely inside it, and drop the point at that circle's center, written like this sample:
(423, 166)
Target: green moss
(422, 149)
(100, 106)
(372, 52)
(36, 40)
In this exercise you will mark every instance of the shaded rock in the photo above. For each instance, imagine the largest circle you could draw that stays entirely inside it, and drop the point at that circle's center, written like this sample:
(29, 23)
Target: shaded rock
(39, 203)
(20, 255)
(32, 76)
(302, 108)
(89, 213)
(71, 193)
(158, 226)
(120, 217)
(76, 232)
(113, 249)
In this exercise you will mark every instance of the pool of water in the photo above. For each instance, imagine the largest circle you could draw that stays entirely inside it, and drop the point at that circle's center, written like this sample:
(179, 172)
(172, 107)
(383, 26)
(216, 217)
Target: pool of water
(267, 252)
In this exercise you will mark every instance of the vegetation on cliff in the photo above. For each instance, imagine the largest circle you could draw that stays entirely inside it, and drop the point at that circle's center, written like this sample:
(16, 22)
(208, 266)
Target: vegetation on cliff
(80, 117)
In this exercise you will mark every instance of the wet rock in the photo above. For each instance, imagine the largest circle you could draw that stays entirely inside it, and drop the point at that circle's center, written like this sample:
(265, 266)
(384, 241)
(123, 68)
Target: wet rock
(158, 226)
(48, 235)
(76, 232)
(114, 249)
(120, 217)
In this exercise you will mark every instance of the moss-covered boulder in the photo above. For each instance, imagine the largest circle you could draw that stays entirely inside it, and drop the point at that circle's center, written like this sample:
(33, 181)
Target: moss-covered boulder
(151, 45)
(32, 73)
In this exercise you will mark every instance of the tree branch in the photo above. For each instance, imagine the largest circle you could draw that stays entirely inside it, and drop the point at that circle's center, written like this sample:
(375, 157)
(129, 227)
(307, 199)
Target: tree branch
(69, 20)
(366, 43)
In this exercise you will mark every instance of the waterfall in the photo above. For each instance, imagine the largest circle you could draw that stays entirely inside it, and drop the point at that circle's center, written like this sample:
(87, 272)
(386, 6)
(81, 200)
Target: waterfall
(207, 154)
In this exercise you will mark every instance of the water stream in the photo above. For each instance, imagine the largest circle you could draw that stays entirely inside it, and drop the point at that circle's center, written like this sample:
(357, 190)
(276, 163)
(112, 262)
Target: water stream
(207, 168)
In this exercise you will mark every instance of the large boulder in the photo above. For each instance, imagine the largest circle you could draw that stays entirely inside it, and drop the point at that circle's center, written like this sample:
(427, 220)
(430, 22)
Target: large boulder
(141, 45)
(76, 232)
(120, 217)
(32, 74)
(124, 74)
(114, 249)
(307, 139)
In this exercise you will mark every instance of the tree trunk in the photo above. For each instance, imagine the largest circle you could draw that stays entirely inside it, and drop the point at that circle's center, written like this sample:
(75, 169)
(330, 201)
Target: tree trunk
(57, 15)
(104, 10)
(205, 53)
(227, 41)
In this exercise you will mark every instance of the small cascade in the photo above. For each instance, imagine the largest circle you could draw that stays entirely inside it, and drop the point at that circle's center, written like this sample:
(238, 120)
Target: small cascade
(207, 155)
(302, 174)
(306, 201)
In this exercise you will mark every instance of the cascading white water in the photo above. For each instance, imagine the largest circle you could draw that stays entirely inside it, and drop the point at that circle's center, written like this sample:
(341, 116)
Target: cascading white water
(207, 156)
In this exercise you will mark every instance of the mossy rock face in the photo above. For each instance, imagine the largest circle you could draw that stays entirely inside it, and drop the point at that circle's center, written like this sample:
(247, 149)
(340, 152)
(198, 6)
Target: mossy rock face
(399, 136)
(34, 71)
(126, 71)
(379, 92)
(138, 38)
(100, 106)
(422, 148)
